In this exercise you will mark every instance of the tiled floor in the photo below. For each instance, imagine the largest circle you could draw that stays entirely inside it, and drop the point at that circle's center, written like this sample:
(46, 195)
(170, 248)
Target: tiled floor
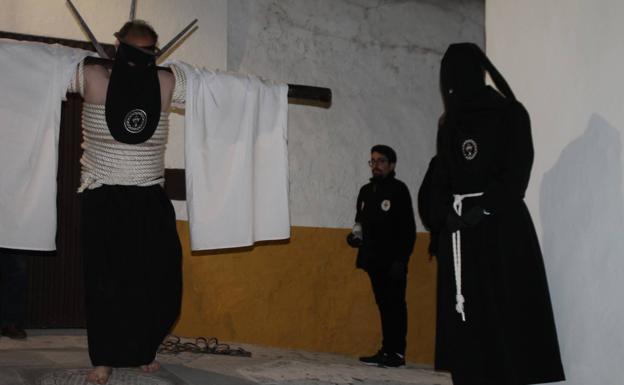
(59, 357)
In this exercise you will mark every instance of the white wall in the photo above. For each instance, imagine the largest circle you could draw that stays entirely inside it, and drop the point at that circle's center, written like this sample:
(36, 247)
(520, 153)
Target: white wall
(563, 59)
(207, 46)
(380, 58)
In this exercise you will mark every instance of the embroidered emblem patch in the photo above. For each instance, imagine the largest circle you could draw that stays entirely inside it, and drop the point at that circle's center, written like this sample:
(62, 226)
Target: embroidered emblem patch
(385, 205)
(135, 121)
(469, 149)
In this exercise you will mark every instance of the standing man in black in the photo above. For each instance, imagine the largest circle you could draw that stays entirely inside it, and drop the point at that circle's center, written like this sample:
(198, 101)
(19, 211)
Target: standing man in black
(385, 233)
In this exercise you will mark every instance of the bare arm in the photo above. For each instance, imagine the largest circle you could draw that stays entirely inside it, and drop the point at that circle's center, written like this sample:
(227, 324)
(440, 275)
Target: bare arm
(167, 84)
(95, 84)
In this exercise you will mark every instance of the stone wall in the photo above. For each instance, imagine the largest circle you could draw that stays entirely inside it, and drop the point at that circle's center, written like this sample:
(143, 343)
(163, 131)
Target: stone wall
(380, 58)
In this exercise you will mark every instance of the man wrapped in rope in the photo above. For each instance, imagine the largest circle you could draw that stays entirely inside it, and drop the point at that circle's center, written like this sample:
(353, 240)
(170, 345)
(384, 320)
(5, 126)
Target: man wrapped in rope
(132, 251)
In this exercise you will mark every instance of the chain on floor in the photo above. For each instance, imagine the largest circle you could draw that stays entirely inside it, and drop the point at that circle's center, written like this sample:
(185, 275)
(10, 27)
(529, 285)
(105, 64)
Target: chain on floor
(174, 345)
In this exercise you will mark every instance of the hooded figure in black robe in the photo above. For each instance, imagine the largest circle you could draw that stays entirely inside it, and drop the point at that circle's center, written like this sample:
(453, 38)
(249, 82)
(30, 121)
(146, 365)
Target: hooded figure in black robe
(495, 322)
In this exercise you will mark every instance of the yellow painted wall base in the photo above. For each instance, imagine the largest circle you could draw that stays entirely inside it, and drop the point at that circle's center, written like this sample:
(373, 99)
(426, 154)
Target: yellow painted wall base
(304, 293)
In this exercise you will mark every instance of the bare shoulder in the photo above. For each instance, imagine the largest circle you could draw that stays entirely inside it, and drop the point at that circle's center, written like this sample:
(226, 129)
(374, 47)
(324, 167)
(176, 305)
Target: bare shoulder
(167, 83)
(96, 72)
(96, 83)
(166, 79)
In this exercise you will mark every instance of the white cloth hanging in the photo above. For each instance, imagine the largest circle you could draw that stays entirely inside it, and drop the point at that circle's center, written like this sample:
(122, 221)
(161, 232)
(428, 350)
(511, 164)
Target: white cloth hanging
(33, 80)
(236, 159)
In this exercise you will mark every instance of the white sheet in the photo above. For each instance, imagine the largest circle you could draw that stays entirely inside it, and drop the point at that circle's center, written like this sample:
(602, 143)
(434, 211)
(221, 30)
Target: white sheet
(236, 159)
(33, 81)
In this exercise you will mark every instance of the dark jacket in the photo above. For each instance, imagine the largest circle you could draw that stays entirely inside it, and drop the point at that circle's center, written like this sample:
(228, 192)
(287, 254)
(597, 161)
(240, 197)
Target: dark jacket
(384, 209)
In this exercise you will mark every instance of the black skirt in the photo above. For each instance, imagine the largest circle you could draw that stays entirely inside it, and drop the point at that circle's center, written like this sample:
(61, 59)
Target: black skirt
(133, 272)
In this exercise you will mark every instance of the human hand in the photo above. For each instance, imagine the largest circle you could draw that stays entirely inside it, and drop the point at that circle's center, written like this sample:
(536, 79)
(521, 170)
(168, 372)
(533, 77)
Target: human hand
(354, 241)
(473, 216)
(454, 222)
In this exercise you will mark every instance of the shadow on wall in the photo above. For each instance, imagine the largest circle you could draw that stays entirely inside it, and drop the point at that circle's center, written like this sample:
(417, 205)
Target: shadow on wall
(581, 208)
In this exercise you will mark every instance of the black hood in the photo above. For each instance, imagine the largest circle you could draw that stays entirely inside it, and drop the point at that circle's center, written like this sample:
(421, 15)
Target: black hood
(462, 77)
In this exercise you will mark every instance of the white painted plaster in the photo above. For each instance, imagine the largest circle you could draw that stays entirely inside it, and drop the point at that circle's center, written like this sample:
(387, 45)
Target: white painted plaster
(563, 58)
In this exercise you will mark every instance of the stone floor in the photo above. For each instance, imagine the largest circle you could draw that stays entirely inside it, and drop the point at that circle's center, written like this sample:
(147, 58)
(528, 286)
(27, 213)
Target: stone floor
(59, 357)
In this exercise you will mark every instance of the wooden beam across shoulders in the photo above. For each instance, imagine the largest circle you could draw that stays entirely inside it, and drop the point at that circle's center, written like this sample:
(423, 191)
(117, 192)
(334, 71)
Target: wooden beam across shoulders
(297, 93)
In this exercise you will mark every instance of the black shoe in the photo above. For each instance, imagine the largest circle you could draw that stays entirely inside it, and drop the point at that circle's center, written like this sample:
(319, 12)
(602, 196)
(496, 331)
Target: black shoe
(14, 332)
(392, 360)
(373, 360)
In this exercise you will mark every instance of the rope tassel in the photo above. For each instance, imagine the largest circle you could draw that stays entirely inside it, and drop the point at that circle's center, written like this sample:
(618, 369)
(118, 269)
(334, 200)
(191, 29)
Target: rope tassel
(459, 306)
(457, 260)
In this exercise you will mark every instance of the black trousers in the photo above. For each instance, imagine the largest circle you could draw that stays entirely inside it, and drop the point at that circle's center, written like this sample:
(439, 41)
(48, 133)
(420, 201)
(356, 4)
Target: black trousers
(389, 286)
(133, 272)
(13, 286)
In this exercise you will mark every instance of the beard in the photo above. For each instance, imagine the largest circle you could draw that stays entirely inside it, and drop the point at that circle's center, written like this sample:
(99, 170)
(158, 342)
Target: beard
(377, 174)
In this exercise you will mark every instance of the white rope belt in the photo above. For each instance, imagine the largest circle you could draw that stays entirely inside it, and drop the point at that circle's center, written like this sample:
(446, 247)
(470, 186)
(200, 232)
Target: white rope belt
(459, 298)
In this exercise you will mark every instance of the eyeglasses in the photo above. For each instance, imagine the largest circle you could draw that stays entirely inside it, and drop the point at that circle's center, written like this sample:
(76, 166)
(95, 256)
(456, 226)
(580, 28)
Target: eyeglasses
(374, 162)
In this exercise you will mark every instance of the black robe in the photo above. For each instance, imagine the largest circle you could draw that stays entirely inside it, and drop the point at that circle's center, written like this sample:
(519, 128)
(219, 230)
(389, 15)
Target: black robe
(133, 272)
(424, 208)
(509, 336)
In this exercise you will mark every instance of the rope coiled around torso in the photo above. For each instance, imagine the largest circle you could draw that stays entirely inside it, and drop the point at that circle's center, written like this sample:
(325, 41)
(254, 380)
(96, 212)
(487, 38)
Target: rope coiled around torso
(106, 161)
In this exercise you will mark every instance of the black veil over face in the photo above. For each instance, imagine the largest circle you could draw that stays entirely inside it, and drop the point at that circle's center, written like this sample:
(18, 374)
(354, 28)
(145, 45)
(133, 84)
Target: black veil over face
(462, 75)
